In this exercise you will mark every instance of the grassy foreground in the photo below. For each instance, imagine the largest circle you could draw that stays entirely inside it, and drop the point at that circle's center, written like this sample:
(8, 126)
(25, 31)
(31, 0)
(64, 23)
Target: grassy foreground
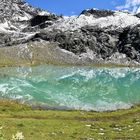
(68, 125)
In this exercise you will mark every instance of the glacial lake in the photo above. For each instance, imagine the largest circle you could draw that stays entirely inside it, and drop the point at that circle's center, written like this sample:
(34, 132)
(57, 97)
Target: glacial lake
(65, 87)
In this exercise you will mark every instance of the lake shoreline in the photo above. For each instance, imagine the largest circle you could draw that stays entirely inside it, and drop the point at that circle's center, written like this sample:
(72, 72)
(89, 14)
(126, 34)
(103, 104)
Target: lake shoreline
(61, 108)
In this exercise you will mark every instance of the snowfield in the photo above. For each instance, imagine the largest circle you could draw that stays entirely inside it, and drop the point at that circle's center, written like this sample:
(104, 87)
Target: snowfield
(119, 20)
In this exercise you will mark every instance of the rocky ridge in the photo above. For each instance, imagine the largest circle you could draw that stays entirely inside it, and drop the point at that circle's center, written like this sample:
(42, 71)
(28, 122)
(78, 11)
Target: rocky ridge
(93, 37)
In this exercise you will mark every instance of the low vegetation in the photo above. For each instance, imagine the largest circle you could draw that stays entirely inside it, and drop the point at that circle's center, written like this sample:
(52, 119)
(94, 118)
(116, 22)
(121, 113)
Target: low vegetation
(20, 121)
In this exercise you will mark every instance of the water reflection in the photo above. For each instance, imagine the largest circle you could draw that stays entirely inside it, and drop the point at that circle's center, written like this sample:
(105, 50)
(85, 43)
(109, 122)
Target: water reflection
(85, 88)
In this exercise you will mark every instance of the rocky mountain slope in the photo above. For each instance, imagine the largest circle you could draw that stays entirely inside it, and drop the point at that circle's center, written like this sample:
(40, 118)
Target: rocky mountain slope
(93, 37)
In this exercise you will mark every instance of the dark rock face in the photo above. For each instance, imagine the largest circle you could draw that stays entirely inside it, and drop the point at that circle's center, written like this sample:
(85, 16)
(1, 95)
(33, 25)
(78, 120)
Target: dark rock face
(98, 13)
(4, 39)
(72, 42)
(138, 15)
(37, 20)
(130, 42)
(96, 39)
(103, 42)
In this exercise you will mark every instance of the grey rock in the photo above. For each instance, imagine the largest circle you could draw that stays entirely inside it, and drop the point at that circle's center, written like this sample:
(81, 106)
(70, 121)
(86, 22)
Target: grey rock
(130, 43)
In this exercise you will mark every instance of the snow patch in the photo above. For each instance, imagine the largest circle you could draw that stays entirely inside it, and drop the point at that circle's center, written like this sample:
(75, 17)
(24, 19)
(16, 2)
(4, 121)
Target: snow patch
(119, 19)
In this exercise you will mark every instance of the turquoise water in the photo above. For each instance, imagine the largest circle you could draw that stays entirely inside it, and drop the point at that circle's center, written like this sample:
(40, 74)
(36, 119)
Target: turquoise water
(85, 88)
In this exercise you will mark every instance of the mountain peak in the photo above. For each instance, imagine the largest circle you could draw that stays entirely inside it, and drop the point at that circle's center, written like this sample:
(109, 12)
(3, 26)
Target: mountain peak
(97, 13)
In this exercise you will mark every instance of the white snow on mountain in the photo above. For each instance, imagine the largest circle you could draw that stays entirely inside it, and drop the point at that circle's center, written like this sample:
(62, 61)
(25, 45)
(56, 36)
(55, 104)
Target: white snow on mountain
(19, 16)
(43, 13)
(4, 27)
(119, 19)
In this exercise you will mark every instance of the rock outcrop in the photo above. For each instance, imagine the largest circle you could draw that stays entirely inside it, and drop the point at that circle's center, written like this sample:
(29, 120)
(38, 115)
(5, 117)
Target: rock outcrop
(93, 37)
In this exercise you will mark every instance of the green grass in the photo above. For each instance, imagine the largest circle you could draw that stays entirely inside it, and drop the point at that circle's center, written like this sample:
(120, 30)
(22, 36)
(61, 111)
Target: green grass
(68, 125)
